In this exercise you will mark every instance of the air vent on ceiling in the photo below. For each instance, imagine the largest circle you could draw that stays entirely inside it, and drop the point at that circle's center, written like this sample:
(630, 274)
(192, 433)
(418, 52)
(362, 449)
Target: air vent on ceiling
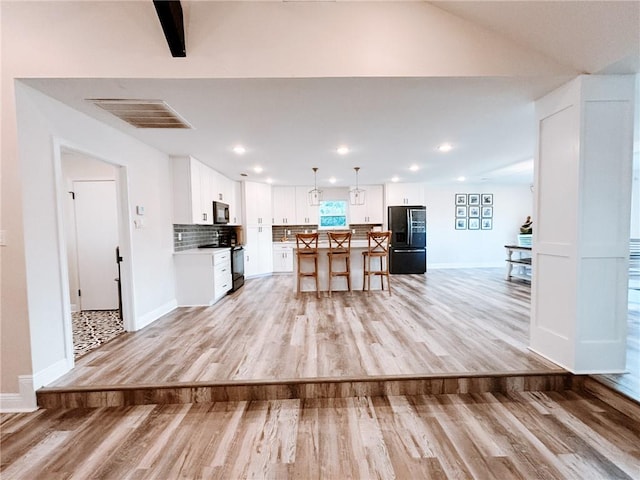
(142, 113)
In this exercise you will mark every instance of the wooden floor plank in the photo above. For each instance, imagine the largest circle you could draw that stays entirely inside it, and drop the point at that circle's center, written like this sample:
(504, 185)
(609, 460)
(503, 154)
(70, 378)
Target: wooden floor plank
(514, 435)
(440, 323)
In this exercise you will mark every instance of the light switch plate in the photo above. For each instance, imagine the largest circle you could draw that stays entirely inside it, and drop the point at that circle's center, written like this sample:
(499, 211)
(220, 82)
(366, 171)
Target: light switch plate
(140, 210)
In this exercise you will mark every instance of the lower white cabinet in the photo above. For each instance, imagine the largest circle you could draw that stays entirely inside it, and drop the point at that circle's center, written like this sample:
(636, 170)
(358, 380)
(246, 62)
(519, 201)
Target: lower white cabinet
(282, 258)
(202, 277)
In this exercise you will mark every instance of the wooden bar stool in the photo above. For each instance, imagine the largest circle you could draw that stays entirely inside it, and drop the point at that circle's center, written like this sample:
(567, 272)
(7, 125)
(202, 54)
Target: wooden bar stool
(378, 247)
(307, 249)
(340, 248)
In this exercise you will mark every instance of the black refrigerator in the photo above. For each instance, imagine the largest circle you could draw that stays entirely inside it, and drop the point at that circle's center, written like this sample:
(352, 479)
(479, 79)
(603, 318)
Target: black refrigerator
(408, 252)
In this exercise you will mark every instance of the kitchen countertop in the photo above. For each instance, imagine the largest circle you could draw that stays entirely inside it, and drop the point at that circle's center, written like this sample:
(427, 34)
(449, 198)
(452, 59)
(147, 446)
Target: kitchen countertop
(325, 244)
(202, 251)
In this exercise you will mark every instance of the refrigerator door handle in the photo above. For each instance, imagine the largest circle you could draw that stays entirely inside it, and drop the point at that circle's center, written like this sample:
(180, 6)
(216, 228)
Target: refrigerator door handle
(410, 226)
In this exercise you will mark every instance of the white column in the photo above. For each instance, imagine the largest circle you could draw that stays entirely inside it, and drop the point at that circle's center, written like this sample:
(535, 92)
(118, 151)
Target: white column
(581, 230)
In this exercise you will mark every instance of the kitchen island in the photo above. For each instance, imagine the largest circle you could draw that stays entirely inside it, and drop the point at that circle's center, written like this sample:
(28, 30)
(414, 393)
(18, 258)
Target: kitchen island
(307, 284)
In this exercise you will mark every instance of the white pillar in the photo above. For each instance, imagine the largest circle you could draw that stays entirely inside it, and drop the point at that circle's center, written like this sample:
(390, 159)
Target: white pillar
(581, 230)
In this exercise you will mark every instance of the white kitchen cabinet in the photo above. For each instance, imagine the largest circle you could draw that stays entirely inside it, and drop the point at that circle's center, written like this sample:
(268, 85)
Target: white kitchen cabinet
(284, 205)
(193, 184)
(282, 258)
(372, 211)
(202, 277)
(305, 214)
(258, 253)
(235, 203)
(228, 191)
(404, 194)
(257, 204)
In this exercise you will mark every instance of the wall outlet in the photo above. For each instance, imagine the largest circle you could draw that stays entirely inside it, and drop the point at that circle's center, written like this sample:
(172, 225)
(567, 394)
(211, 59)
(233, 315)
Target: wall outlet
(353, 231)
(288, 232)
(140, 210)
(179, 237)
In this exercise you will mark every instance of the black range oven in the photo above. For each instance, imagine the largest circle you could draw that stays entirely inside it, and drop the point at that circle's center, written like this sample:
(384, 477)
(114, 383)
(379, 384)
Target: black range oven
(237, 267)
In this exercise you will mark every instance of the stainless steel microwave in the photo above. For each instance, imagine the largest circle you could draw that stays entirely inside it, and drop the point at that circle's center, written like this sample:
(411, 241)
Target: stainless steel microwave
(220, 213)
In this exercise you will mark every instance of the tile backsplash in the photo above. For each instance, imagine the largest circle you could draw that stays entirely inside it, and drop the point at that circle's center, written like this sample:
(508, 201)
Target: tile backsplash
(192, 236)
(195, 235)
(280, 232)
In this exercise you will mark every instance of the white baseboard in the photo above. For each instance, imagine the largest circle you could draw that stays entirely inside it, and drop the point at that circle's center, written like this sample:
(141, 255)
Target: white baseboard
(51, 373)
(436, 266)
(150, 317)
(25, 401)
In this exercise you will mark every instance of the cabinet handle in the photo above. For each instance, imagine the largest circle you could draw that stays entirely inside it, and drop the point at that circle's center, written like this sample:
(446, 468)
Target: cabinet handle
(204, 217)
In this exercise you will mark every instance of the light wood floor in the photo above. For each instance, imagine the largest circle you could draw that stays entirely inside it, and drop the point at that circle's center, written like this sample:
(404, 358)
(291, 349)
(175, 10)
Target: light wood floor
(515, 435)
(629, 383)
(449, 321)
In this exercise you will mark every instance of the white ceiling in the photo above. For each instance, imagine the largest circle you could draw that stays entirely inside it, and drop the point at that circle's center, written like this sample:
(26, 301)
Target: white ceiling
(291, 125)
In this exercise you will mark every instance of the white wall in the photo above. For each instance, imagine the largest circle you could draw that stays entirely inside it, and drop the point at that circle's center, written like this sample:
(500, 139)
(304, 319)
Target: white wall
(40, 120)
(448, 247)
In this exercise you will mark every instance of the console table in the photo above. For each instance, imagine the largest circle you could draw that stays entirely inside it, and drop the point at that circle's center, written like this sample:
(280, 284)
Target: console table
(522, 261)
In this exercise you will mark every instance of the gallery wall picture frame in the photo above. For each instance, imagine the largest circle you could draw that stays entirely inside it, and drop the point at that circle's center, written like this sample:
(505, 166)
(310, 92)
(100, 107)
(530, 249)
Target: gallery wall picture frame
(474, 199)
(474, 224)
(461, 211)
(487, 224)
(474, 211)
(461, 198)
(487, 212)
(487, 199)
(461, 223)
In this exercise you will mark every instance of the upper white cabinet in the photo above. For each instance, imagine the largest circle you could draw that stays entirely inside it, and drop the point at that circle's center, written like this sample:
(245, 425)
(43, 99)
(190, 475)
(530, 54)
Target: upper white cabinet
(195, 188)
(372, 211)
(257, 203)
(235, 203)
(284, 205)
(192, 198)
(305, 214)
(228, 191)
(291, 206)
(405, 194)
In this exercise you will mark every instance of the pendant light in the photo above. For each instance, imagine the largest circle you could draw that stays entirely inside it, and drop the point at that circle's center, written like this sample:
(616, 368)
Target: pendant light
(356, 195)
(315, 195)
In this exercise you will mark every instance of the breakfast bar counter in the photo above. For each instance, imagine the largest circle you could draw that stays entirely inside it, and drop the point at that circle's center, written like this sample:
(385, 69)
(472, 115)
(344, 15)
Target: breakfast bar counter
(339, 283)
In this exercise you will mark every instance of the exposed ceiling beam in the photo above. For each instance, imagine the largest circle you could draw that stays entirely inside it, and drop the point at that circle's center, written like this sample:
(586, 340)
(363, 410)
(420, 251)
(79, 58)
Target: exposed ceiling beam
(170, 15)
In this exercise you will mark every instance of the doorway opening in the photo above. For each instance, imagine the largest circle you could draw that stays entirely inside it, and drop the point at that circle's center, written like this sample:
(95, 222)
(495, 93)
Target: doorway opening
(92, 234)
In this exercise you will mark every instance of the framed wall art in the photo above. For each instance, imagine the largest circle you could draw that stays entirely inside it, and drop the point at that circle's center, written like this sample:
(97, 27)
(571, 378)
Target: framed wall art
(474, 224)
(474, 199)
(461, 198)
(487, 212)
(461, 223)
(461, 211)
(487, 199)
(487, 223)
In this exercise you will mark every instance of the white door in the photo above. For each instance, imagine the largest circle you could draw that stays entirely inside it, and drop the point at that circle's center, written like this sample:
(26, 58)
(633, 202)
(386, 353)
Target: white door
(96, 209)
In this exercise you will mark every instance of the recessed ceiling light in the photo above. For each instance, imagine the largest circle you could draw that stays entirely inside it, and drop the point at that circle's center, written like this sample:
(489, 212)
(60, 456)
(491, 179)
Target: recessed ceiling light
(461, 179)
(414, 168)
(332, 180)
(445, 147)
(239, 149)
(269, 180)
(257, 169)
(342, 150)
(395, 178)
